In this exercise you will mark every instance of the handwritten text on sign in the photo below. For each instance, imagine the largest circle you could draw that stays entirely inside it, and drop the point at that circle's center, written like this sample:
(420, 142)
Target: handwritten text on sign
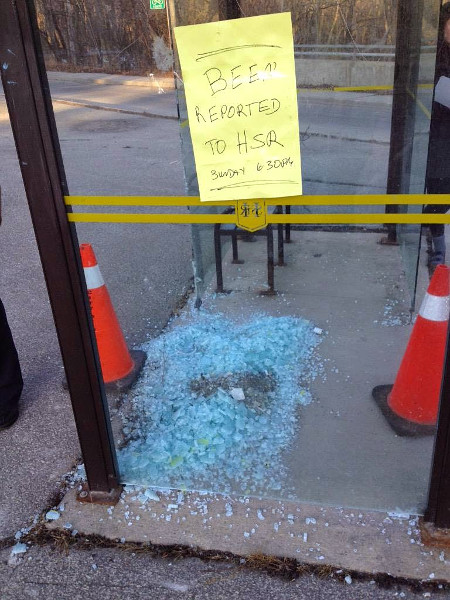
(239, 79)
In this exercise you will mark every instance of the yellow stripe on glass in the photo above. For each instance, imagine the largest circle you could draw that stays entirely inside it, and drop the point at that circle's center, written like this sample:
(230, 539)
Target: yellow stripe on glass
(272, 218)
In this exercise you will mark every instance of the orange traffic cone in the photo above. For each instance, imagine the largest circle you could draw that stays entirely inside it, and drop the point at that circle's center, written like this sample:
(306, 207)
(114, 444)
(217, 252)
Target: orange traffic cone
(120, 367)
(411, 404)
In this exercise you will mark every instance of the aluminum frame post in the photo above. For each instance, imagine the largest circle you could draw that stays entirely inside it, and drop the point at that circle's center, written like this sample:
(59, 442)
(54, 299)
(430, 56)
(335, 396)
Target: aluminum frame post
(438, 508)
(32, 120)
(406, 73)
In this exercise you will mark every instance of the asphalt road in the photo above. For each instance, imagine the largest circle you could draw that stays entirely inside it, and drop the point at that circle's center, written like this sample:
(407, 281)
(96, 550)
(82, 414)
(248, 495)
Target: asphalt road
(146, 268)
(344, 135)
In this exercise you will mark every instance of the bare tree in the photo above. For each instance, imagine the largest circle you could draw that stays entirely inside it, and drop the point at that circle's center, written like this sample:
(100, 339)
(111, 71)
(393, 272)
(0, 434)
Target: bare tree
(119, 35)
(115, 35)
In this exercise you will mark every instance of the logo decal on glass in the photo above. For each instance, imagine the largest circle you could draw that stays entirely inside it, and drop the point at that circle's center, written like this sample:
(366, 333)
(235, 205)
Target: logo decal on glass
(251, 214)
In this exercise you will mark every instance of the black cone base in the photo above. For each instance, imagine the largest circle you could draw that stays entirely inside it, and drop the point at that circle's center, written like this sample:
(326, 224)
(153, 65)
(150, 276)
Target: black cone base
(401, 426)
(124, 384)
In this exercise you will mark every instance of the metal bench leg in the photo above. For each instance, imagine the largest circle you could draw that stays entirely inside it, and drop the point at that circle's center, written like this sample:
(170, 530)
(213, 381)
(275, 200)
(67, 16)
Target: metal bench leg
(234, 244)
(218, 255)
(287, 239)
(270, 264)
(281, 262)
(280, 233)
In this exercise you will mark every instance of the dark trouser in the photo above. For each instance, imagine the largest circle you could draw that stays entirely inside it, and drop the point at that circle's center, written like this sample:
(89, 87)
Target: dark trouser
(11, 382)
(437, 186)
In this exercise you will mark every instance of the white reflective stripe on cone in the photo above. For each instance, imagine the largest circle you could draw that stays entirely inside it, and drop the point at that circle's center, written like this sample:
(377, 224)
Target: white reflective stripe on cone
(435, 308)
(93, 277)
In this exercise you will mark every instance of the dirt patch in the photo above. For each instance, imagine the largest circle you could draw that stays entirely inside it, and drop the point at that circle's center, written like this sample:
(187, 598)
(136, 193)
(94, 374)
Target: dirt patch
(255, 388)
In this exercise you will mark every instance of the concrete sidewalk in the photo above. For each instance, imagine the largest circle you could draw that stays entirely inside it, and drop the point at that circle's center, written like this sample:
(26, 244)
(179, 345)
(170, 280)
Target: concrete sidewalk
(42, 446)
(115, 574)
(334, 461)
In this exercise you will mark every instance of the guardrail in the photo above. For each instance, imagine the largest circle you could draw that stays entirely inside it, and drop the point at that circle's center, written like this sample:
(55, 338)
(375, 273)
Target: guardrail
(352, 51)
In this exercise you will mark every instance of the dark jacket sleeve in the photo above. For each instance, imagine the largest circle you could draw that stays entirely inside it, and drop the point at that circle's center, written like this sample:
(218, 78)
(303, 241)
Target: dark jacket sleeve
(439, 142)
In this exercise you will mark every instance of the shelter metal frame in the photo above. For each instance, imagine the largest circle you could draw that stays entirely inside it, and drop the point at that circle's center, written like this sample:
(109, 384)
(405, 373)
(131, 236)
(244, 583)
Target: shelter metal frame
(28, 98)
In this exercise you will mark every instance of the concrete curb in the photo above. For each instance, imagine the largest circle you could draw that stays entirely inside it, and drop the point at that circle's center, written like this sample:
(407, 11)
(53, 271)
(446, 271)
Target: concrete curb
(355, 541)
(125, 111)
(165, 82)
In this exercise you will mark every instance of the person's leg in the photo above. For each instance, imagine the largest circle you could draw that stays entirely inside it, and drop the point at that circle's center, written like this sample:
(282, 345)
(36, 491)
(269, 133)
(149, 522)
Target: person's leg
(437, 186)
(11, 382)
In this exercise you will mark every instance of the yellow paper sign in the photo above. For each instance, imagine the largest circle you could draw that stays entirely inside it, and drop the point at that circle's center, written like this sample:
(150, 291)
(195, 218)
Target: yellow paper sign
(239, 79)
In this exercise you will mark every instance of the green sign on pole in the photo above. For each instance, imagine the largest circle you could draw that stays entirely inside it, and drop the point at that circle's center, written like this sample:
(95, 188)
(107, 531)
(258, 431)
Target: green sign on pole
(157, 3)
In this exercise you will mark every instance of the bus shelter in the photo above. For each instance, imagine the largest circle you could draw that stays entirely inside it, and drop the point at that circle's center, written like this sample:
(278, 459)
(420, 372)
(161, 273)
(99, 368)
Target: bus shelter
(306, 358)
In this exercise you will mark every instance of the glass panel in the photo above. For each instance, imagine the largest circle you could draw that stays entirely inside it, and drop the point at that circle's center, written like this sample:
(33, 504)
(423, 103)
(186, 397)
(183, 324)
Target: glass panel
(266, 394)
(116, 114)
(345, 112)
(420, 47)
(202, 235)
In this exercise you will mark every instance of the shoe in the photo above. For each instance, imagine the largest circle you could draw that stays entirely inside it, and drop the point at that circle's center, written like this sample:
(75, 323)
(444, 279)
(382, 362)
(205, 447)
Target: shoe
(9, 419)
